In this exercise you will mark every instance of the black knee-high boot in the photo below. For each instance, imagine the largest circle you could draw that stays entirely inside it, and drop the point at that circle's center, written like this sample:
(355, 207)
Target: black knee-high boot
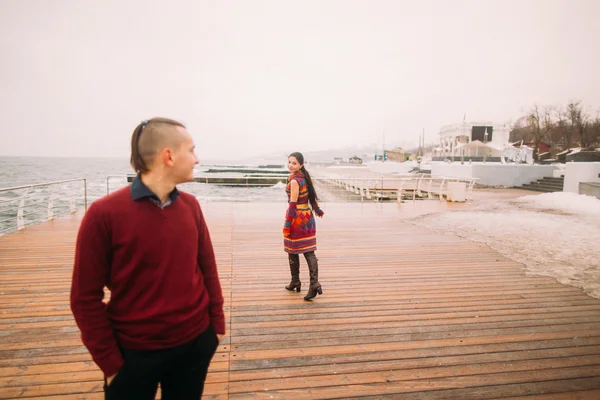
(295, 271)
(313, 268)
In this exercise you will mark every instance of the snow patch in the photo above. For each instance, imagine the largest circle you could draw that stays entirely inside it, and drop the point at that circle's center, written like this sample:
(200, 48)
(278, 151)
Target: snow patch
(552, 234)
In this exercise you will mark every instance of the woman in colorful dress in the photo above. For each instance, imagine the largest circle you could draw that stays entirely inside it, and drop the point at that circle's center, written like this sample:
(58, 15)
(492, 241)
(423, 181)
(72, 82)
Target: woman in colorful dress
(300, 230)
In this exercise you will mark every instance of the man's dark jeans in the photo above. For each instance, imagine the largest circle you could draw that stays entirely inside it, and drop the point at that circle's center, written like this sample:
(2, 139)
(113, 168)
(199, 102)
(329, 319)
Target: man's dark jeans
(180, 370)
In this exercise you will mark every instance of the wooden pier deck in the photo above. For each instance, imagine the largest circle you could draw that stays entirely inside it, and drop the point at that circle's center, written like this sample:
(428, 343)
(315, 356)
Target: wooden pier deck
(406, 314)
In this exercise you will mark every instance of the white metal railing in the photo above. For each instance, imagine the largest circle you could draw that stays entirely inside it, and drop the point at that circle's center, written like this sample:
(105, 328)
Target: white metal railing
(416, 187)
(246, 181)
(22, 206)
(27, 205)
(110, 178)
(372, 188)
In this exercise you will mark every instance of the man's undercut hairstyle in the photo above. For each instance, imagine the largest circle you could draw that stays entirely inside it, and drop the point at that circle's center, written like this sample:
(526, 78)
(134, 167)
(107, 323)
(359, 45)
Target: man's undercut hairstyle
(149, 138)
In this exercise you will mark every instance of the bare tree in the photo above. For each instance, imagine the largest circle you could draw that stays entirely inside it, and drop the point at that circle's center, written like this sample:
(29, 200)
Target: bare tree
(548, 122)
(562, 133)
(593, 131)
(520, 131)
(578, 121)
(567, 126)
(582, 129)
(534, 123)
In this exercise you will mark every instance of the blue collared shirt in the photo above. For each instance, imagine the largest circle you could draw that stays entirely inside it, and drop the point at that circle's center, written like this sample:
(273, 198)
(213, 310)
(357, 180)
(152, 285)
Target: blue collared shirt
(140, 191)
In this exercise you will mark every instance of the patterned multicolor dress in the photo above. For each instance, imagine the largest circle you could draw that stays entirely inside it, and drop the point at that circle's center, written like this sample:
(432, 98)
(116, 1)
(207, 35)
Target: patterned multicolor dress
(303, 231)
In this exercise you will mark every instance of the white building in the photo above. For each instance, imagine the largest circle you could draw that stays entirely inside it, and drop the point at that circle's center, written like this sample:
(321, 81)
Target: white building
(473, 139)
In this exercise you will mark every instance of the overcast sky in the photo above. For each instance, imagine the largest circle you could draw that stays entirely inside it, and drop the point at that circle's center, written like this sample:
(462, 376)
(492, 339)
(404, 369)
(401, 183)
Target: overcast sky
(251, 77)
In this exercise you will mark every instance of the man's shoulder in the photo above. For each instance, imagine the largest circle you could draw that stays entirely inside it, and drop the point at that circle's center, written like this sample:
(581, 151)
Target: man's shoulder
(113, 201)
(187, 197)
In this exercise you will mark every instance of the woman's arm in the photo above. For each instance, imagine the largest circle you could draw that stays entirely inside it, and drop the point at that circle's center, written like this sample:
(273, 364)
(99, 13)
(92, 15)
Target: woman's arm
(294, 191)
(291, 211)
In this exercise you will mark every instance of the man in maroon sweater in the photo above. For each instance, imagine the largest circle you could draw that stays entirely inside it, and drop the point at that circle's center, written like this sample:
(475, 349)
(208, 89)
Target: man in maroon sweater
(149, 245)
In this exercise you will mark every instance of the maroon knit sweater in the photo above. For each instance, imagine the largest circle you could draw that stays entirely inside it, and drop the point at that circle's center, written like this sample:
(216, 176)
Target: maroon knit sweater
(160, 267)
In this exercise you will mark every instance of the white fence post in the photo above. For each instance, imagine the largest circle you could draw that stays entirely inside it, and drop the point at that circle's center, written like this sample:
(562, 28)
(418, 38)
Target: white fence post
(72, 205)
(442, 190)
(429, 195)
(20, 219)
(51, 208)
(399, 199)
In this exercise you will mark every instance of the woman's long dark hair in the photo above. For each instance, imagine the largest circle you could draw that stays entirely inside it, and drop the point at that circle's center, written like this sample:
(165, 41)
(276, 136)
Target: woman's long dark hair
(312, 194)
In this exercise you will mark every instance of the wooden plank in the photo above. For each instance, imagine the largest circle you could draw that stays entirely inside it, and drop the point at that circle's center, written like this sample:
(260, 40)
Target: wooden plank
(74, 366)
(593, 394)
(577, 367)
(60, 376)
(575, 387)
(401, 362)
(408, 344)
(536, 381)
(95, 386)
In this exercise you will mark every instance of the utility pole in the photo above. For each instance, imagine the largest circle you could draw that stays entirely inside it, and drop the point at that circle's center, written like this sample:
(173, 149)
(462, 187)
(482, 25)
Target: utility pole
(485, 150)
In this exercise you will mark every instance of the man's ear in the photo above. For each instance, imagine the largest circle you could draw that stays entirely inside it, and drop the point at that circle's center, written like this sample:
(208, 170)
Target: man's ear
(166, 155)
